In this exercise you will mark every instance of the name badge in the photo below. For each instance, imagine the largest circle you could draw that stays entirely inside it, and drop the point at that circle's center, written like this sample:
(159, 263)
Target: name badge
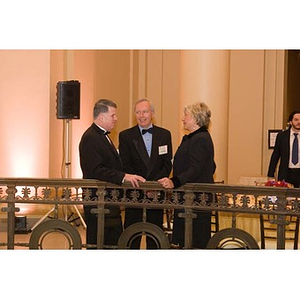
(162, 150)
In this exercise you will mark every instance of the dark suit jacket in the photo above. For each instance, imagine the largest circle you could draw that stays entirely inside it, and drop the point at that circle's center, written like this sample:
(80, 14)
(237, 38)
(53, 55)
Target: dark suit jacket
(281, 151)
(194, 159)
(98, 158)
(134, 154)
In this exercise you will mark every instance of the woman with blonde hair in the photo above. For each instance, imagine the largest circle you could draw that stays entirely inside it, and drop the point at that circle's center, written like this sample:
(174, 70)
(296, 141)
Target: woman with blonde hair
(193, 163)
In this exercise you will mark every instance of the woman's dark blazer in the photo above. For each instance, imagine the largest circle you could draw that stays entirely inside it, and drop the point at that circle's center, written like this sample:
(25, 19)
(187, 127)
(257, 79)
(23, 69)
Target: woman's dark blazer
(194, 159)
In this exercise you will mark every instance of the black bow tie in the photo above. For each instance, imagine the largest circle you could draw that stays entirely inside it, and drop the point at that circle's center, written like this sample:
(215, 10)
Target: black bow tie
(150, 130)
(106, 132)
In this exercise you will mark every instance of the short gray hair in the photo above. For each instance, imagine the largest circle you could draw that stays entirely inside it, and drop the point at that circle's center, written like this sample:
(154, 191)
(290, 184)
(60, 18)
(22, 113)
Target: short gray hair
(200, 112)
(101, 106)
(144, 100)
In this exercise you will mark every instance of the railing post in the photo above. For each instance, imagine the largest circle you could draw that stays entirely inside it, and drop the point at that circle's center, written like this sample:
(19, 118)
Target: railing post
(281, 232)
(100, 217)
(188, 216)
(11, 193)
(281, 222)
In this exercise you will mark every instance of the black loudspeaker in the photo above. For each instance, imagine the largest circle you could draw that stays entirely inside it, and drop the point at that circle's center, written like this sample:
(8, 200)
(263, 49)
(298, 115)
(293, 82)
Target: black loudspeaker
(68, 99)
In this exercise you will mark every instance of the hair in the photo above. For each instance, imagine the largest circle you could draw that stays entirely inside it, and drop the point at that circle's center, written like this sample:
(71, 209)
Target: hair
(291, 116)
(200, 113)
(101, 106)
(144, 100)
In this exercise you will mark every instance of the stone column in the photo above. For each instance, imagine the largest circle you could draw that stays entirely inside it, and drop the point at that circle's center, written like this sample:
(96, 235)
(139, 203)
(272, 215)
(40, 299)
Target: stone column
(205, 78)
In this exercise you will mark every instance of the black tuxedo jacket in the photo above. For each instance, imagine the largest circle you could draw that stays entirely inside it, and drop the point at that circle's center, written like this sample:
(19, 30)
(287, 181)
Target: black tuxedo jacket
(99, 158)
(136, 159)
(281, 151)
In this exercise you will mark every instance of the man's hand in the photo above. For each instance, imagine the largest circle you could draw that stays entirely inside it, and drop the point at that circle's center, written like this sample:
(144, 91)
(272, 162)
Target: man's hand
(166, 183)
(134, 179)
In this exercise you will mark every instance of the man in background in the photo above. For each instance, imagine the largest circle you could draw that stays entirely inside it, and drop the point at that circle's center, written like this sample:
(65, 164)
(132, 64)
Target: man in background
(287, 151)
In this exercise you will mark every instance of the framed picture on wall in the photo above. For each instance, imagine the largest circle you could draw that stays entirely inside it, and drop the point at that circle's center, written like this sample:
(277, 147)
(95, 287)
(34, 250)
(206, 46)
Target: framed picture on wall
(272, 134)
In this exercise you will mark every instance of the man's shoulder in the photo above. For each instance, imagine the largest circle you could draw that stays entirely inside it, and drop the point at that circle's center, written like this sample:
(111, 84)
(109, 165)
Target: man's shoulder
(283, 136)
(285, 132)
(91, 132)
(161, 129)
(128, 130)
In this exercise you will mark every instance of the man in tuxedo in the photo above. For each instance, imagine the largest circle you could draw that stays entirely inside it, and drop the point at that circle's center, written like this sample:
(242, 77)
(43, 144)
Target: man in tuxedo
(100, 160)
(287, 151)
(146, 150)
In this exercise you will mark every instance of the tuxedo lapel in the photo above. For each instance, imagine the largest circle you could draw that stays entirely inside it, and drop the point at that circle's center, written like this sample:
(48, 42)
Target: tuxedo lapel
(286, 143)
(140, 146)
(154, 150)
(107, 141)
(111, 143)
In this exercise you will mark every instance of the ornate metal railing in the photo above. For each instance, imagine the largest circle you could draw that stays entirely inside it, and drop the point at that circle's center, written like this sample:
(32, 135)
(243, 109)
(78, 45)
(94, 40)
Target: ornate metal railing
(279, 202)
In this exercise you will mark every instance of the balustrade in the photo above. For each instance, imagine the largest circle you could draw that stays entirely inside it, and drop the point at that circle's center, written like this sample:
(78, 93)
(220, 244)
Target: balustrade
(234, 199)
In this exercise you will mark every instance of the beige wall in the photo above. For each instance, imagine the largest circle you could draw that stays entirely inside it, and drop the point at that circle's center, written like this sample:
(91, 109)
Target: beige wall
(256, 105)
(245, 114)
(84, 71)
(158, 73)
(244, 89)
(25, 112)
(55, 126)
(112, 82)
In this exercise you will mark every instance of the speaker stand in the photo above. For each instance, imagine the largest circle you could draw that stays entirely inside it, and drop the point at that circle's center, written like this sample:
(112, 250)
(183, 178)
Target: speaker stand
(67, 169)
(66, 175)
(53, 209)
